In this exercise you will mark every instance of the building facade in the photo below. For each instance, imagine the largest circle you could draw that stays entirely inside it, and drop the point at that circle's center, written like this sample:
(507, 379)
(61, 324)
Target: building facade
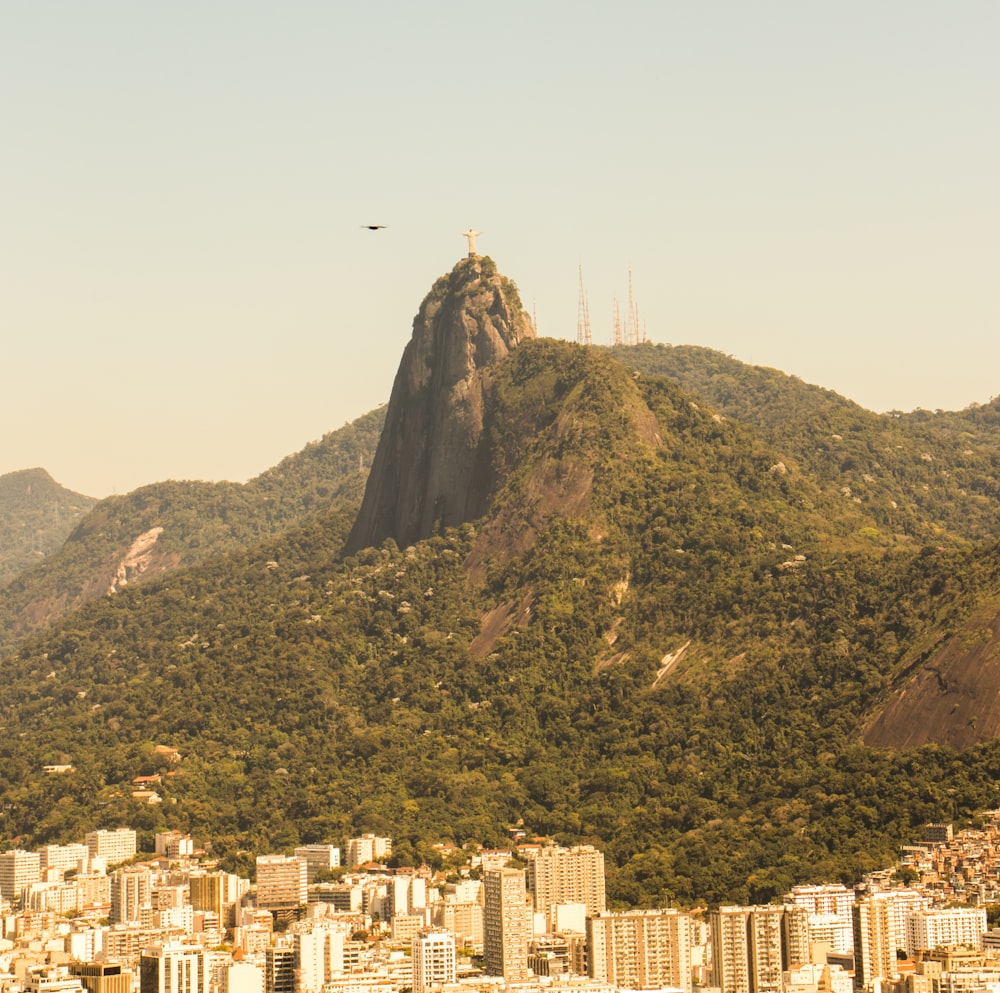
(279, 969)
(566, 875)
(929, 929)
(18, 870)
(874, 943)
(173, 968)
(112, 846)
(281, 883)
(131, 895)
(367, 848)
(751, 946)
(103, 977)
(640, 949)
(318, 858)
(829, 909)
(507, 926)
(433, 960)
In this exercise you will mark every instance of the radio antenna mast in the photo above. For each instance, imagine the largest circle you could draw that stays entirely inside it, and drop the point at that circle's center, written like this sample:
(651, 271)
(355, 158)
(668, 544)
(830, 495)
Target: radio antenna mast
(633, 315)
(582, 316)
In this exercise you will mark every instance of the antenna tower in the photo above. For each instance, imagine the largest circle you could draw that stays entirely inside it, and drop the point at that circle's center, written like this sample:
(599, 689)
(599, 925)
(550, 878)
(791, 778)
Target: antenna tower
(633, 315)
(582, 316)
(617, 338)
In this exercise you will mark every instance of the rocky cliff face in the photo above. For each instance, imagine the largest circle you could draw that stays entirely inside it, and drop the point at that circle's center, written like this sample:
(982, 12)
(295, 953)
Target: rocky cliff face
(432, 468)
(953, 699)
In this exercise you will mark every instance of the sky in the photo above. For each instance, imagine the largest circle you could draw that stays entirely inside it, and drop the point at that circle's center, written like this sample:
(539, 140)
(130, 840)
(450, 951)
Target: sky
(187, 291)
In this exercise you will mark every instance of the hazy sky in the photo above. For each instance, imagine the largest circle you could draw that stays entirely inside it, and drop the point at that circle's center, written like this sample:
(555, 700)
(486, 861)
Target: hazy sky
(186, 290)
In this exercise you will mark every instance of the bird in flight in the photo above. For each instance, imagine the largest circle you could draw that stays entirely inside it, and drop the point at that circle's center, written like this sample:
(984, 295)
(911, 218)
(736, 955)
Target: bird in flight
(373, 227)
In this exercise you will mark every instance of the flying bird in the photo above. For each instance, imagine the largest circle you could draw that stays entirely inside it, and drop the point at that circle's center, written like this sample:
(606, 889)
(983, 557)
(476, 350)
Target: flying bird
(373, 227)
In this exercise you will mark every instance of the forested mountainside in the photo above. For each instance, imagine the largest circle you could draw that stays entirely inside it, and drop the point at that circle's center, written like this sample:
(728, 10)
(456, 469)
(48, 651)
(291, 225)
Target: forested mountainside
(36, 515)
(934, 476)
(688, 650)
(158, 528)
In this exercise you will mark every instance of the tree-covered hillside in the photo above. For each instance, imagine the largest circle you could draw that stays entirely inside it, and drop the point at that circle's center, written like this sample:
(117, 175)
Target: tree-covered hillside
(933, 477)
(161, 527)
(698, 628)
(36, 515)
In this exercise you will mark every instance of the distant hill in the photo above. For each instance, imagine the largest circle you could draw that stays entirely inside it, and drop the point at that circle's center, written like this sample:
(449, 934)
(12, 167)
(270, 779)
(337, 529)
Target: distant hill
(162, 527)
(682, 628)
(36, 515)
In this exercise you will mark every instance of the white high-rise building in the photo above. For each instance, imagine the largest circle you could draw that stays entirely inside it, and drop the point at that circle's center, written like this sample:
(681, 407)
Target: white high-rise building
(829, 908)
(173, 968)
(902, 903)
(640, 949)
(173, 844)
(311, 960)
(131, 894)
(18, 869)
(418, 894)
(569, 917)
(112, 846)
(407, 894)
(367, 848)
(241, 977)
(61, 859)
(398, 893)
(826, 898)
(566, 875)
(318, 858)
(335, 941)
(433, 960)
(929, 929)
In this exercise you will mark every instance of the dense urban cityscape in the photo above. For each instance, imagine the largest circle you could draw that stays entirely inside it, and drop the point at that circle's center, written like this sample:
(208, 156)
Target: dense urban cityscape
(98, 916)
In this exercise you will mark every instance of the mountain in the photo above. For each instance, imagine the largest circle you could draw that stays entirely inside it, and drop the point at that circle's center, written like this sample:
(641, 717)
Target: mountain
(157, 529)
(658, 627)
(36, 515)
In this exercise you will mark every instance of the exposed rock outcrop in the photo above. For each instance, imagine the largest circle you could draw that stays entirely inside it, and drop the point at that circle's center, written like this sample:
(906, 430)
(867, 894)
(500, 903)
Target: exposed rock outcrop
(954, 697)
(432, 468)
(136, 560)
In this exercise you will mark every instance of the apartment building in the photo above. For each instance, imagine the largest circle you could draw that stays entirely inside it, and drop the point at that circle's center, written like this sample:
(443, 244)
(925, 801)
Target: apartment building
(640, 949)
(565, 875)
(113, 846)
(507, 926)
(281, 883)
(173, 968)
(434, 963)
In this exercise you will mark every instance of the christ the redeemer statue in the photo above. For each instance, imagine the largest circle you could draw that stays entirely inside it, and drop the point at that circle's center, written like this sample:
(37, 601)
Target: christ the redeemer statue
(471, 235)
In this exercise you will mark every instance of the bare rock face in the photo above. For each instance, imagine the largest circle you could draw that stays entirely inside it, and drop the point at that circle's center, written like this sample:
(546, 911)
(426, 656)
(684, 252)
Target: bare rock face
(953, 699)
(432, 468)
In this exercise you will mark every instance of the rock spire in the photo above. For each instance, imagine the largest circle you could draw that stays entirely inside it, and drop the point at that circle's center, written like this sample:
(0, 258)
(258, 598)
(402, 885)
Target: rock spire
(432, 467)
